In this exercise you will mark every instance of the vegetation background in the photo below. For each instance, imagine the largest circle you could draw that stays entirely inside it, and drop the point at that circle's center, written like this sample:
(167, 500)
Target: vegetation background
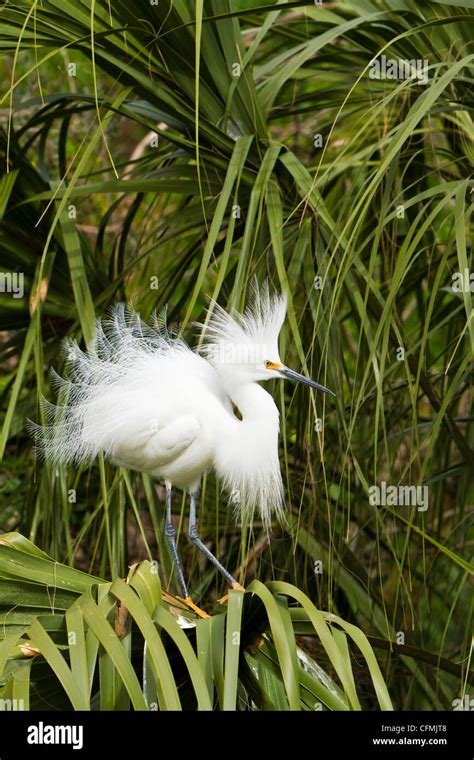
(162, 153)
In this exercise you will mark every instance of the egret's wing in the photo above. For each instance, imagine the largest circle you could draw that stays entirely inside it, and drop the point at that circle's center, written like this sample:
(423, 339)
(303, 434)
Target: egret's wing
(162, 447)
(120, 395)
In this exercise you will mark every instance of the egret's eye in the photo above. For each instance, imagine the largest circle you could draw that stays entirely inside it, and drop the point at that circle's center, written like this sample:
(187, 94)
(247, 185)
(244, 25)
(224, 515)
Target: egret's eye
(267, 364)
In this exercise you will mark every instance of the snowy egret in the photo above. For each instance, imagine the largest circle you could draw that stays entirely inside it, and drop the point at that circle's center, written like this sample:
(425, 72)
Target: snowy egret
(147, 401)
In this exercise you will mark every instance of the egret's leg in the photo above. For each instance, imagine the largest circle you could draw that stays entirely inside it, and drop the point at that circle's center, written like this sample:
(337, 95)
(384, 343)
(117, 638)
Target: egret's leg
(170, 534)
(194, 536)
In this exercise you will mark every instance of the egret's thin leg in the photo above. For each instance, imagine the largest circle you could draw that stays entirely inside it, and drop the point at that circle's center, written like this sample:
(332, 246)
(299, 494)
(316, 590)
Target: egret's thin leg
(170, 534)
(194, 536)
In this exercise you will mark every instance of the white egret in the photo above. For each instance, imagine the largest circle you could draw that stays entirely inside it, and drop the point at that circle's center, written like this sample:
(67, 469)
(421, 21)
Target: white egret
(148, 402)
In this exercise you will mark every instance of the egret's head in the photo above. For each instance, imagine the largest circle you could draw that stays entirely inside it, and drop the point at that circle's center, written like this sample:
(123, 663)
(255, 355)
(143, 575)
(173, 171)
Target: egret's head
(244, 347)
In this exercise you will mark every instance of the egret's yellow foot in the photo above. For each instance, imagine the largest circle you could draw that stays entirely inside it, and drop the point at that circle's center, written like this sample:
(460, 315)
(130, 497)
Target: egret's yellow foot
(225, 598)
(189, 603)
(167, 597)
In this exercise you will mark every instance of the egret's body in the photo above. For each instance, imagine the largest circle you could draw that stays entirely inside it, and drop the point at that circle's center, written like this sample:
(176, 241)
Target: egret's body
(176, 407)
(150, 403)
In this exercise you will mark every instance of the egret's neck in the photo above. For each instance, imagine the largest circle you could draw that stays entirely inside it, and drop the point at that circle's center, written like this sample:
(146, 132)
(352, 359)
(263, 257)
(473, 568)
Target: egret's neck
(247, 458)
(256, 434)
(256, 407)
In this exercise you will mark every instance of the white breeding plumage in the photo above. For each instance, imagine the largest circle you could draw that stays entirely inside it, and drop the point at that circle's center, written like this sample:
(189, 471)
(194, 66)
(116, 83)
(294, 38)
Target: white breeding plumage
(148, 402)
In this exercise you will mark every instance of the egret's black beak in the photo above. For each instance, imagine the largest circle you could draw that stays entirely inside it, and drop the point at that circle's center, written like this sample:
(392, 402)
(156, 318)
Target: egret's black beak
(291, 375)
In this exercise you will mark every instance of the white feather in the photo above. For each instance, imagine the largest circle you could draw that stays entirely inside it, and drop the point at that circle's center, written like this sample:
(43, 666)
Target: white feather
(147, 401)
